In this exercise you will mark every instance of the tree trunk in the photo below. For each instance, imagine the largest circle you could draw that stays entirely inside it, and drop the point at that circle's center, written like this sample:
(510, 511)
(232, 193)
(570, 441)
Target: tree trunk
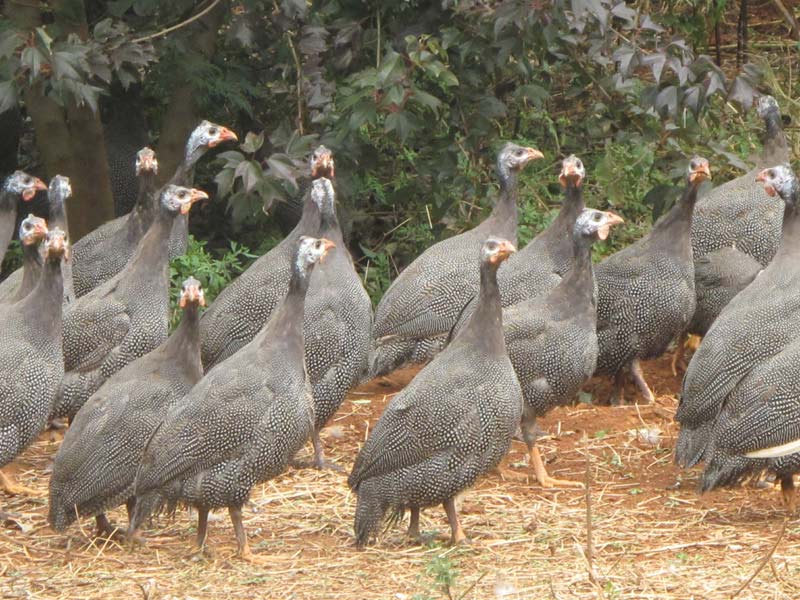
(181, 115)
(70, 140)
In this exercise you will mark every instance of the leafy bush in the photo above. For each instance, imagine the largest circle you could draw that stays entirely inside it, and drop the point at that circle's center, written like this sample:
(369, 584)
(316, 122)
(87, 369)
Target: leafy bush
(213, 269)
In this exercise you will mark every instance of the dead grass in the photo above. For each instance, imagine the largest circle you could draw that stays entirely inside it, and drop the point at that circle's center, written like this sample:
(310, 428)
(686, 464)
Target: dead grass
(653, 536)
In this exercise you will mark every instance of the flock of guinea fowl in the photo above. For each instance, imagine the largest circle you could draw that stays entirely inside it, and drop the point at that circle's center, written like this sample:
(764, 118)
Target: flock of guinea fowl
(201, 416)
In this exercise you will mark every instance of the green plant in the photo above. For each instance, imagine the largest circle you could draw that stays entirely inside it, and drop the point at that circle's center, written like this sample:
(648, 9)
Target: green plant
(13, 258)
(214, 270)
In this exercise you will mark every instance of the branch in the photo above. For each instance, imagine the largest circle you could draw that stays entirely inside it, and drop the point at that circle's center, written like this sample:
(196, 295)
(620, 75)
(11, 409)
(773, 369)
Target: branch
(789, 17)
(764, 561)
(188, 21)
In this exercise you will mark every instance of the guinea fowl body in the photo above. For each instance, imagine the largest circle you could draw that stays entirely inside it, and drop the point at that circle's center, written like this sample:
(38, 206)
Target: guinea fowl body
(32, 232)
(243, 422)
(337, 321)
(544, 262)
(416, 314)
(451, 424)
(104, 252)
(18, 185)
(124, 318)
(736, 225)
(646, 295)
(31, 359)
(96, 464)
(552, 340)
(243, 307)
(756, 325)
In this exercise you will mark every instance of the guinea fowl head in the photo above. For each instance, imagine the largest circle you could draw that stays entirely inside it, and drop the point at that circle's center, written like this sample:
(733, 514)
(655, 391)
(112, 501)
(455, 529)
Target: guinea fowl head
(207, 135)
(781, 181)
(496, 250)
(310, 251)
(146, 161)
(23, 185)
(766, 105)
(177, 199)
(60, 189)
(595, 224)
(698, 170)
(514, 158)
(192, 293)
(32, 230)
(322, 163)
(323, 195)
(572, 171)
(55, 244)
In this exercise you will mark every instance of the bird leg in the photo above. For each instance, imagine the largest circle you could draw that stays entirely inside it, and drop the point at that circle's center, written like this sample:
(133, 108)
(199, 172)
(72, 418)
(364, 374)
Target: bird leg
(243, 549)
(457, 535)
(413, 524)
(787, 491)
(319, 455)
(543, 477)
(10, 487)
(105, 529)
(202, 527)
(618, 391)
(638, 379)
(677, 356)
(507, 474)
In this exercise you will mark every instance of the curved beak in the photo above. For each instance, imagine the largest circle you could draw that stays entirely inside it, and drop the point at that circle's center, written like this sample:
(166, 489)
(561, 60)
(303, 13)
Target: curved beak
(701, 172)
(150, 164)
(762, 176)
(534, 154)
(40, 229)
(504, 250)
(328, 245)
(324, 167)
(225, 135)
(570, 172)
(38, 185)
(196, 196)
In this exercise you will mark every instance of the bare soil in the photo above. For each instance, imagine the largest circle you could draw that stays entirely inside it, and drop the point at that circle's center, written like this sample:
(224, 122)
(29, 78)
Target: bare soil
(652, 535)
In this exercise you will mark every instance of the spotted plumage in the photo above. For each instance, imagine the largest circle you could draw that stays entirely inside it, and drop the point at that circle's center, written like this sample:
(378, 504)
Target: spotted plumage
(451, 424)
(420, 308)
(646, 294)
(127, 316)
(31, 359)
(737, 225)
(757, 325)
(104, 252)
(552, 340)
(242, 309)
(337, 321)
(243, 422)
(96, 464)
(17, 186)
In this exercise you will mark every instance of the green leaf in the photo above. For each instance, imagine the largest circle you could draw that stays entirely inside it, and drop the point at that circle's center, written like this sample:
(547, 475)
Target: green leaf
(252, 142)
(10, 41)
(250, 173)
(426, 99)
(32, 58)
(392, 68)
(281, 168)
(402, 123)
(8, 95)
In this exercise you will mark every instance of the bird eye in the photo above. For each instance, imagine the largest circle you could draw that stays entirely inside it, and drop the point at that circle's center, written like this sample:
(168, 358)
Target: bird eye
(212, 130)
(579, 164)
(771, 173)
(182, 195)
(519, 152)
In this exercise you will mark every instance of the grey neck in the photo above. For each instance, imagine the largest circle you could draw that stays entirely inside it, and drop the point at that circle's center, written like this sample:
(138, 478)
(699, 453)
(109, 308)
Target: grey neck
(484, 329)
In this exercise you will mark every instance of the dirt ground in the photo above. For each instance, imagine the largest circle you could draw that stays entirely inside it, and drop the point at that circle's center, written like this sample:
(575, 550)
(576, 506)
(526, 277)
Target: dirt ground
(652, 535)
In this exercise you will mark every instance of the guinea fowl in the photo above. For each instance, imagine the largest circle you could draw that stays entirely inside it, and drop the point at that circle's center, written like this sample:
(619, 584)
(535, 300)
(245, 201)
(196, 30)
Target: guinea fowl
(31, 360)
(32, 231)
(242, 308)
(736, 228)
(416, 314)
(552, 340)
(337, 321)
(646, 294)
(127, 316)
(541, 265)
(17, 185)
(757, 325)
(105, 251)
(96, 464)
(205, 136)
(451, 424)
(244, 421)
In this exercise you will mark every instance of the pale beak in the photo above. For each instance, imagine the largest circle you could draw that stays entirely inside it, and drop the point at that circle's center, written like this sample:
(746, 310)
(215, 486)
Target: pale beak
(702, 171)
(611, 220)
(38, 185)
(534, 154)
(196, 195)
(225, 135)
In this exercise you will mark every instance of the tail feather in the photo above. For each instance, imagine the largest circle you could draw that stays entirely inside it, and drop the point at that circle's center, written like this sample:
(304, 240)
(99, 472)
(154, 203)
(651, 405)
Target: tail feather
(692, 444)
(724, 470)
(370, 513)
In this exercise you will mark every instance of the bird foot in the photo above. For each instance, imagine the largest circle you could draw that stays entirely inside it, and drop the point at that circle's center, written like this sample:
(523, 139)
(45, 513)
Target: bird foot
(323, 464)
(106, 530)
(10, 487)
(246, 555)
(507, 474)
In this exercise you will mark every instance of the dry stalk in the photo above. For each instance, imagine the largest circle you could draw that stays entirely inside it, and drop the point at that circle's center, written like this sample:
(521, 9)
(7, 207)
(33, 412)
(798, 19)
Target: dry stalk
(764, 561)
